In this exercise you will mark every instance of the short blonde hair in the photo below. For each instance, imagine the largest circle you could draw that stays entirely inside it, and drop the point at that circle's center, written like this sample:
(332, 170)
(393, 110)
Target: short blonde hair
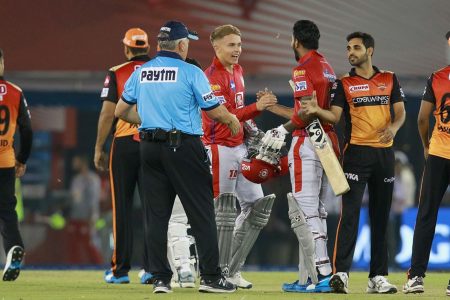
(223, 31)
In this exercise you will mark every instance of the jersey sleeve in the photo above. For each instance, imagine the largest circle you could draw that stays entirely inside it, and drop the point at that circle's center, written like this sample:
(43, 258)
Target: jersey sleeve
(131, 88)
(109, 90)
(26, 132)
(303, 85)
(337, 94)
(202, 90)
(397, 94)
(428, 93)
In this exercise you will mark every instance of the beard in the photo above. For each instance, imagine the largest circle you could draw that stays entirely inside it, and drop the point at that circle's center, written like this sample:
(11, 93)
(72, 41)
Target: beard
(296, 55)
(357, 62)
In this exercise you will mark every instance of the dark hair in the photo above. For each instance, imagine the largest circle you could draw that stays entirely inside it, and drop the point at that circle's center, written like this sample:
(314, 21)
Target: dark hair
(138, 51)
(307, 33)
(366, 38)
(1, 53)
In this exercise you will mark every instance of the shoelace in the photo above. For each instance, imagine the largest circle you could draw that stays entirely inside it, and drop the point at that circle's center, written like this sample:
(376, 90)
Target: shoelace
(380, 281)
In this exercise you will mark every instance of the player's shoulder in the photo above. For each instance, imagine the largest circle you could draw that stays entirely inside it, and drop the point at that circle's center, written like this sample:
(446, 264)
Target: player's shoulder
(13, 85)
(445, 69)
(298, 71)
(342, 77)
(116, 68)
(386, 72)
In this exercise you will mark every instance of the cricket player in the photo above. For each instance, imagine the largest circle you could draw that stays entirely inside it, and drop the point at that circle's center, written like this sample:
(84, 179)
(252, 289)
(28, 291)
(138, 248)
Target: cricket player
(366, 95)
(436, 101)
(236, 235)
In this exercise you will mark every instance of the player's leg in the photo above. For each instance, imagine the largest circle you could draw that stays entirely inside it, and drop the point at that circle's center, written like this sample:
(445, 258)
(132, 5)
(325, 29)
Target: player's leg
(357, 162)
(9, 225)
(381, 186)
(178, 244)
(225, 166)
(435, 181)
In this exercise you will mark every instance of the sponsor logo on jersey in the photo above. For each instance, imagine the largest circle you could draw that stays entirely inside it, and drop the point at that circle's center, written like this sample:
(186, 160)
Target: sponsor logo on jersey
(215, 87)
(106, 82)
(298, 73)
(104, 92)
(402, 93)
(159, 74)
(239, 99)
(232, 85)
(358, 88)
(382, 86)
(389, 180)
(371, 100)
(300, 86)
(3, 91)
(221, 99)
(330, 76)
(351, 176)
(208, 96)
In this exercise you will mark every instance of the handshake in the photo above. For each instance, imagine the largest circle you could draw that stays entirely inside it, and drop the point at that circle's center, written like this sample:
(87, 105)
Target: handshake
(272, 142)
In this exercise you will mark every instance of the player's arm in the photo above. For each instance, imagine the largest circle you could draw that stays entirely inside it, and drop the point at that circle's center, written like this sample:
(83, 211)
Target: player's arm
(105, 122)
(127, 111)
(427, 107)
(26, 137)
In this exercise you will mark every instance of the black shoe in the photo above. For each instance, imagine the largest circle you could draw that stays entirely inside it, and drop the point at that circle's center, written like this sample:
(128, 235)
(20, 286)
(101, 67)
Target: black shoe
(161, 287)
(220, 285)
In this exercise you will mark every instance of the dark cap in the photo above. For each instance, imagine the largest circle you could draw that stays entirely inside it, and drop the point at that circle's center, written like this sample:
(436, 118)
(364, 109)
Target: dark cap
(447, 36)
(175, 31)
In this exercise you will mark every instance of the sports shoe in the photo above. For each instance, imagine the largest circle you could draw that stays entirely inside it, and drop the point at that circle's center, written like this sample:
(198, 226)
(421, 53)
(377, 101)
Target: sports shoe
(111, 278)
(380, 285)
(13, 263)
(414, 285)
(295, 287)
(239, 281)
(339, 283)
(220, 285)
(159, 287)
(186, 279)
(323, 286)
(146, 278)
(448, 289)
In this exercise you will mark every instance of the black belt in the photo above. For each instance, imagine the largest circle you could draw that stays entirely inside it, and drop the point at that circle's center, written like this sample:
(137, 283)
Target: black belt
(159, 135)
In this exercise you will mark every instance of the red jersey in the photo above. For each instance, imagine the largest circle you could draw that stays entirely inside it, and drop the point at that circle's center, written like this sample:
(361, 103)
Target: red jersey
(113, 88)
(437, 92)
(229, 90)
(312, 73)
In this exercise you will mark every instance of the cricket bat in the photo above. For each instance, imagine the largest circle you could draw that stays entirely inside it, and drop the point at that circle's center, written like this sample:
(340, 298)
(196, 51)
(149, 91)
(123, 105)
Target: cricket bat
(327, 157)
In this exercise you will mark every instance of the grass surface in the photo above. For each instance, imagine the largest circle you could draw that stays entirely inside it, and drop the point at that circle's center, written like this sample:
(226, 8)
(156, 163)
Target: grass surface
(89, 285)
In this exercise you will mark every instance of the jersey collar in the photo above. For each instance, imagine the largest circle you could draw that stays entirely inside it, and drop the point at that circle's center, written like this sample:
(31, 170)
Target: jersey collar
(219, 66)
(169, 54)
(308, 55)
(140, 58)
(353, 72)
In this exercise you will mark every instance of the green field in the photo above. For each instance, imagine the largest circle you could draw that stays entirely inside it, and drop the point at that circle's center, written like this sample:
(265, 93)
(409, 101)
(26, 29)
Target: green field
(88, 285)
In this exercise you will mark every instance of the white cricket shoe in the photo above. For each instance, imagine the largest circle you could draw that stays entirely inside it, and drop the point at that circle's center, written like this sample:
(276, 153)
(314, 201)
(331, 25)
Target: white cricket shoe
(13, 263)
(380, 285)
(339, 283)
(239, 281)
(414, 285)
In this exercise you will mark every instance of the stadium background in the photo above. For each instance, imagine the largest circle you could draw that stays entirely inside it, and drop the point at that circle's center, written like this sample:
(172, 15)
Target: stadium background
(59, 51)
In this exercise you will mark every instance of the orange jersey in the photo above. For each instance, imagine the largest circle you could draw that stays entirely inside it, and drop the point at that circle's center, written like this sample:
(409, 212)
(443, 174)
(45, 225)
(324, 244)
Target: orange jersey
(437, 92)
(13, 112)
(366, 104)
(113, 88)
(312, 73)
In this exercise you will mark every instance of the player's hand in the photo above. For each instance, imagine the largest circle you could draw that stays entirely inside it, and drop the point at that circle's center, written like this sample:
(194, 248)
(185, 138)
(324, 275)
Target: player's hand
(272, 142)
(101, 160)
(265, 101)
(234, 125)
(259, 94)
(20, 169)
(386, 135)
(309, 107)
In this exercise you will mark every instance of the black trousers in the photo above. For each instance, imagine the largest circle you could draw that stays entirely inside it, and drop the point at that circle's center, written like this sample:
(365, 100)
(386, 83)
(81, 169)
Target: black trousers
(435, 181)
(375, 167)
(9, 224)
(125, 172)
(185, 172)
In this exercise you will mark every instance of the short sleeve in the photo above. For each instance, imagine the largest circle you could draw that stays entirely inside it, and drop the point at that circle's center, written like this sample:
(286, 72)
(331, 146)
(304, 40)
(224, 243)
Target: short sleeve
(202, 90)
(428, 93)
(337, 94)
(109, 90)
(303, 86)
(131, 89)
(397, 94)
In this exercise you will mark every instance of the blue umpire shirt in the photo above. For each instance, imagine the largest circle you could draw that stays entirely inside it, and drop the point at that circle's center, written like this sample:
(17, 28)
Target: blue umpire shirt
(169, 92)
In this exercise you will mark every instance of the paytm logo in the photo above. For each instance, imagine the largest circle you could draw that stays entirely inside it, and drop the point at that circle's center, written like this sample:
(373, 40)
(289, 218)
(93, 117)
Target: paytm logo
(159, 74)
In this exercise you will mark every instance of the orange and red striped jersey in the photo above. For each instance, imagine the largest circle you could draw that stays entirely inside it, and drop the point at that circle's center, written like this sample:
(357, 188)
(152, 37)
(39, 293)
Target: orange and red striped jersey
(13, 112)
(366, 104)
(113, 88)
(437, 92)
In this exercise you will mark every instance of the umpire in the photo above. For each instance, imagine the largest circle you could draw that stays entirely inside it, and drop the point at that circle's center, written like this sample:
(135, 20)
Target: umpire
(169, 94)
